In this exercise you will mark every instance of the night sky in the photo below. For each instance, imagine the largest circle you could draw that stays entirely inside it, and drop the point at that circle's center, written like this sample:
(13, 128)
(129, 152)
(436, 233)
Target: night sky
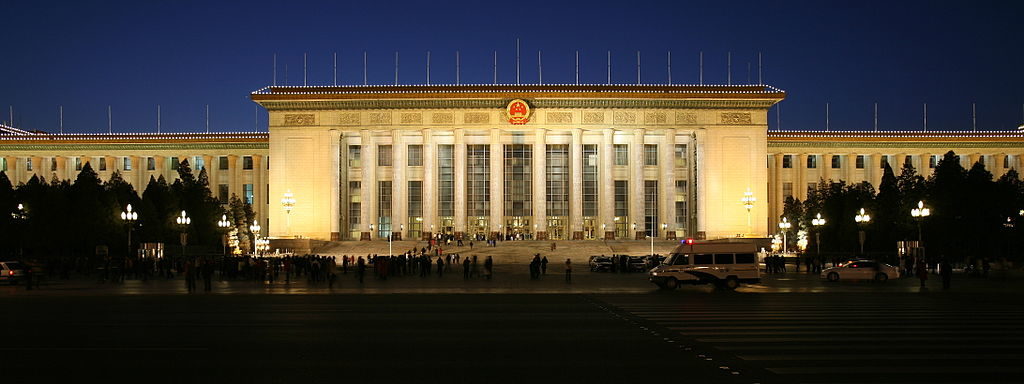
(183, 55)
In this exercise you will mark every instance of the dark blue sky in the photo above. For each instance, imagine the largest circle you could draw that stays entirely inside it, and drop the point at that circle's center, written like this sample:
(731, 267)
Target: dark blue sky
(183, 55)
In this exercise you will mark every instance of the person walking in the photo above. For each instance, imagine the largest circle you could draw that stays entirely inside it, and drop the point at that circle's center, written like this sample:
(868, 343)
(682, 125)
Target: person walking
(544, 264)
(440, 267)
(488, 267)
(946, 273)
(360, 269)
(568, 270)
(465, 269)
(922, 271)
(207, 276)
(190, 276)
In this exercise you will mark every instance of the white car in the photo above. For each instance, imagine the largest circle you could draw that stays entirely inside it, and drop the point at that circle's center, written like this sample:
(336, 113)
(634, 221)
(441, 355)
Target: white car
(11, 271)
(861, 270)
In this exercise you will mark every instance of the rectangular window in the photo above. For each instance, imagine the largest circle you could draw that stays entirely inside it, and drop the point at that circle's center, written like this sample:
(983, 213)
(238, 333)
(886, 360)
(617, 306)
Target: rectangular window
(680, 155)
(222, 193)
(198, 163)
(415, 152)
(651, 225)
(703, 258)
(745, 258)
(3, 164)
(723, 258)
(355, 211)
(1006, 162)
(812, 161)
(127, 163)
(103, 163)
(621, 208)
(621, 154)
(836, 162)
(590, 180)
(150, 164)
(908, 162)
(518, 180)
(931, 161)
(383, 155)
(222, 163)
(78, 163)
(174, 163)
(860, 161)
(981, 160)
(787, 161)
(415, 210)
(883, 160)
(247, 191)
(28, 164)
(681, 216)
(355, 156)
(53, 164)
(557, 180)
(787, 189)
(446, 180)
(384, 209)
(478, 180)
(246, 162)
(650, 154)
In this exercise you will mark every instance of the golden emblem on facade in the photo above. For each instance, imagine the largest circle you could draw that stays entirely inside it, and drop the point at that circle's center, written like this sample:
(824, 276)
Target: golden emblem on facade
(518, 112)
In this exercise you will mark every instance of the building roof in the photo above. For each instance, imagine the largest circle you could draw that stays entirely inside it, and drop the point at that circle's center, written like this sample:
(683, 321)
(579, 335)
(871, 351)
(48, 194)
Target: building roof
(517, 91)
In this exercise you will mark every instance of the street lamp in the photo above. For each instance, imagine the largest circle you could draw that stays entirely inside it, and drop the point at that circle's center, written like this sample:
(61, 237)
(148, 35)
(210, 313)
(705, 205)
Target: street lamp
(817, 221)
(748, 203)
(288, 202)
(663, 226)
(919, 214)
(371, 231)
(255, 229)
(224, 224)
(129, 217)
(862, 220)
(183, 222)
(634, 231)
(784, 225)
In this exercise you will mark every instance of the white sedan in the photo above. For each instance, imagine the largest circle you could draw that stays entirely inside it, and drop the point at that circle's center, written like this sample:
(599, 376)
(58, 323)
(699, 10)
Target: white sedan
(861, 270)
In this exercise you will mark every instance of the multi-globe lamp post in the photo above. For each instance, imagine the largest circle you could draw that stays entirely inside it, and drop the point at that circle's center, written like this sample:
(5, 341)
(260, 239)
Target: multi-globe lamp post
(862, 220)
(128, 216)
(288, 203)
(257, 243)
(784, 226)
(183, 221)
(224, 224)
(919, 214)
(817, 222)
(748, 203)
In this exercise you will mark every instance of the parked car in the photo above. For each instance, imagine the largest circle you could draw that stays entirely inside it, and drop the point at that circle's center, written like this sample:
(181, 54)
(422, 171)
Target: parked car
(723, 263)
(600, 263)
(11, 272)
(860, 270)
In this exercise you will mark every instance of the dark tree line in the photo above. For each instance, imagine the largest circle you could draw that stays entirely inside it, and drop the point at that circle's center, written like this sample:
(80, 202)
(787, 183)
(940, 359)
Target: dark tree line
(66, 219)
(972, 215)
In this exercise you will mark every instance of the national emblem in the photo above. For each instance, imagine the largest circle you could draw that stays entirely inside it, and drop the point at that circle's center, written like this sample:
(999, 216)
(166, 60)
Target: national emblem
(518, 112)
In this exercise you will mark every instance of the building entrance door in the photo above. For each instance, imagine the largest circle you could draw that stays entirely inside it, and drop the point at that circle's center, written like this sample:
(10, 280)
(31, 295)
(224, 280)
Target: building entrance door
(518, 228)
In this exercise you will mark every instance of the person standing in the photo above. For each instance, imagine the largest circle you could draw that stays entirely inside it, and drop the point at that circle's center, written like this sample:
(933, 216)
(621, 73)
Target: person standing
(947, 273)
(190, 276)
(360, 269)
(207, 276)
(440, 267)
(544, 263)
(488, 267)
(465, 269)
(922, 271)
(568, 270)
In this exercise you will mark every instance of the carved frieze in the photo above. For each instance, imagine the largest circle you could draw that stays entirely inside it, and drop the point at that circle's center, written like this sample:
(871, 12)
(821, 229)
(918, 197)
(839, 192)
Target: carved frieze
(477, 117)
(299, 119)
(412, 118)
(593, 118)
(622, 117)
(349, 119)
(442, 118)
(686, 118)
(559, 117)
(735, 117)
(654, 118)
(380, 118)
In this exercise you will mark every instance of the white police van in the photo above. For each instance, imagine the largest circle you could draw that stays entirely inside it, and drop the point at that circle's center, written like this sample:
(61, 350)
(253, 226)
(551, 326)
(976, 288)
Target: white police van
(723, 263)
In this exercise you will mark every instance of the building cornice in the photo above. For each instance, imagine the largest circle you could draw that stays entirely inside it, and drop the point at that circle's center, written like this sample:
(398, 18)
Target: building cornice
(895, 139)
(299, 105)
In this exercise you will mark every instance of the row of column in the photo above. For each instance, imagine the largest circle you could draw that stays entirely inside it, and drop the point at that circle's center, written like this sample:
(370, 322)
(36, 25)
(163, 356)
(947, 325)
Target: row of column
(606, 194)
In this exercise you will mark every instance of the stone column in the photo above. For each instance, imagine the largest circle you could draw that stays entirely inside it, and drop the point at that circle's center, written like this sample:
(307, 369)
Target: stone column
(606, 194)
(368, 185)
(999, 166)
(974, 159)
(12, 170)
(576, 188)
(262, 204)
(780, 199)
(429, 188)
(399, 185)
(497, 182)
(800, 177)
(826, 164)
(636, 183)
(232, 176)
(539, 191)
(667, 187)
(460, 181)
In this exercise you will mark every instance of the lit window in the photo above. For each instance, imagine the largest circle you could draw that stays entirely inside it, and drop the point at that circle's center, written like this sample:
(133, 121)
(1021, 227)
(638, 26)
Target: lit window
(621, 154)
(383, 155)
(787, 161)
(860, 161)
(812, 161)
(650, 154)
(247, 162)
(415, 155)
(836, 162)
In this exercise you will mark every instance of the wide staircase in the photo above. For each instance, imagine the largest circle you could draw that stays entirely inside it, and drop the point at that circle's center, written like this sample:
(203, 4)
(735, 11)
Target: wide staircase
(506, 251)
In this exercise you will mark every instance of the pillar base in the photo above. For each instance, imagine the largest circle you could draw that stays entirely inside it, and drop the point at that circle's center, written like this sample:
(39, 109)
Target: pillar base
(609, 235)
(427, 236)
(335, 236)
(396, 236)
(577, 235)
(494, 235)
(459, 235)
(670, 235)
(364, 236)
(540, 235)
(640, 235)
